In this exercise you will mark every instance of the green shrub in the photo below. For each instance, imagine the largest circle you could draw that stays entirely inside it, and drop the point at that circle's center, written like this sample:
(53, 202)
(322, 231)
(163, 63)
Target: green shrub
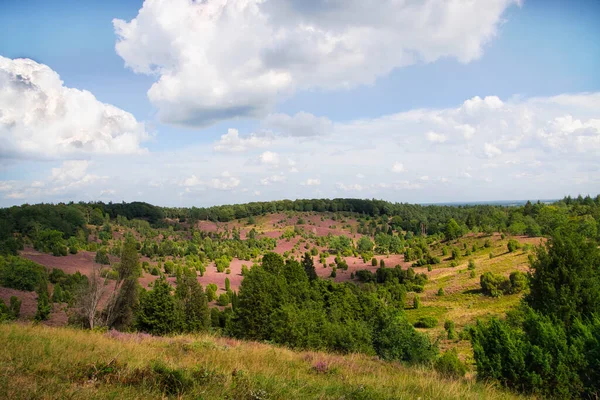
(449, 365)
(513, 245)
(449, 327)
(374, 262)
(211, 292)
(223, 299)
(426, 322)
(441, 292)
(20, 273)
(416, 302)
(102, 256)
(471, 264)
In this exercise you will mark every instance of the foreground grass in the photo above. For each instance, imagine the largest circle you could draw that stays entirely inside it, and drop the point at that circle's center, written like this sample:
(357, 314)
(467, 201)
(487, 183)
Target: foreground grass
(39, 362)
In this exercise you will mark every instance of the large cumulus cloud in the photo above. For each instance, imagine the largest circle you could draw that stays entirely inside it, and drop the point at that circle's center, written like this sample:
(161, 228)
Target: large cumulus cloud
(217, 59)
(42, 118)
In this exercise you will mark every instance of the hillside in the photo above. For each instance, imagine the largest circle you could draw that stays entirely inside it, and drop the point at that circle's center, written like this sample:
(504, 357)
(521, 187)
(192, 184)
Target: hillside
(42, 362)
(406, 304)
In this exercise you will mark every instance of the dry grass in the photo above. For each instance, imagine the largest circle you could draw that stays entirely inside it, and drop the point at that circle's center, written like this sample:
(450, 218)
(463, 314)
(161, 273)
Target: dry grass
(39, 362)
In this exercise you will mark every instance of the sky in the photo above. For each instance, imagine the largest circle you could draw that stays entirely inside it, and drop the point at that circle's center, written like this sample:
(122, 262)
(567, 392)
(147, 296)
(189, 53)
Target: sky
(199, 103)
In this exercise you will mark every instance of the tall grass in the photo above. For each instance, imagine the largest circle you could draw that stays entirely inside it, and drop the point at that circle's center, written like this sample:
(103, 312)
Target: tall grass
(39, 362)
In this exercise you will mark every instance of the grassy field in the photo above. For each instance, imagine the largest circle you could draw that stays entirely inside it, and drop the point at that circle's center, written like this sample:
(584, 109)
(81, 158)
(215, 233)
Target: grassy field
(39, 362)
(462, 302)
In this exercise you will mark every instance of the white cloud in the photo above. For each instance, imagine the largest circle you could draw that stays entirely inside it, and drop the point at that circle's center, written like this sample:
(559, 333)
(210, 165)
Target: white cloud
(5, 186)
(269, 158)
(71, 174)
(397, 168)
(491, 150)
(225, 182)
(349, 188)
(42, 118)
(273, 179)
(191, 181)
(233, 142)
(436, 137)
(311, 182)
(277, 47)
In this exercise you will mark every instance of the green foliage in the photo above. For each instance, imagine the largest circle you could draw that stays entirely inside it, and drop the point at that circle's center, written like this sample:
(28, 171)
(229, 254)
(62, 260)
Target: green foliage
(449, 365)
(513, 245)
(364, 245)
(396, 339)
(309, 267)
(211, 292)
(278, 303)
(450, 329)
(453, 230)
(20, 273)
(496, 285)
(50, 241)
(416, 302)
(426, 322)
(43, 302)
(374, 262)
(222, 263)
(102, 257)
(11, 312)
(471, 265)
(550, 347)
(223, 299)
(440, 292)
(159, 313)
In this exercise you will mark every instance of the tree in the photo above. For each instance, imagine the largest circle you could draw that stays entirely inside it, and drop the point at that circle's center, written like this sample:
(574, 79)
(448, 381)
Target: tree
(309, 267)
(364, 245)
(43, 302)
(159, 312)
(565, 282)
(119, 311)
(396, 339)
(453, 230)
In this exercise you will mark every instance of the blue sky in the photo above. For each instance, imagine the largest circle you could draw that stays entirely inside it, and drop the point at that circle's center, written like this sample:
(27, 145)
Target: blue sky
(307, 123)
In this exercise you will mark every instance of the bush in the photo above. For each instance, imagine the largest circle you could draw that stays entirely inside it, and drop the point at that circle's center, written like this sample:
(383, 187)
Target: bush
(211, 292)
(441, 292)
(518, 282)
(455, 253)
(20, 273)
(416, 302)
(223, 299)
(513, 245)
(374, 262)
(471, 264)
(102, 257)
(492, 284)
(449, 365)
(449, 327)
(426, 322)
(396, 339)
